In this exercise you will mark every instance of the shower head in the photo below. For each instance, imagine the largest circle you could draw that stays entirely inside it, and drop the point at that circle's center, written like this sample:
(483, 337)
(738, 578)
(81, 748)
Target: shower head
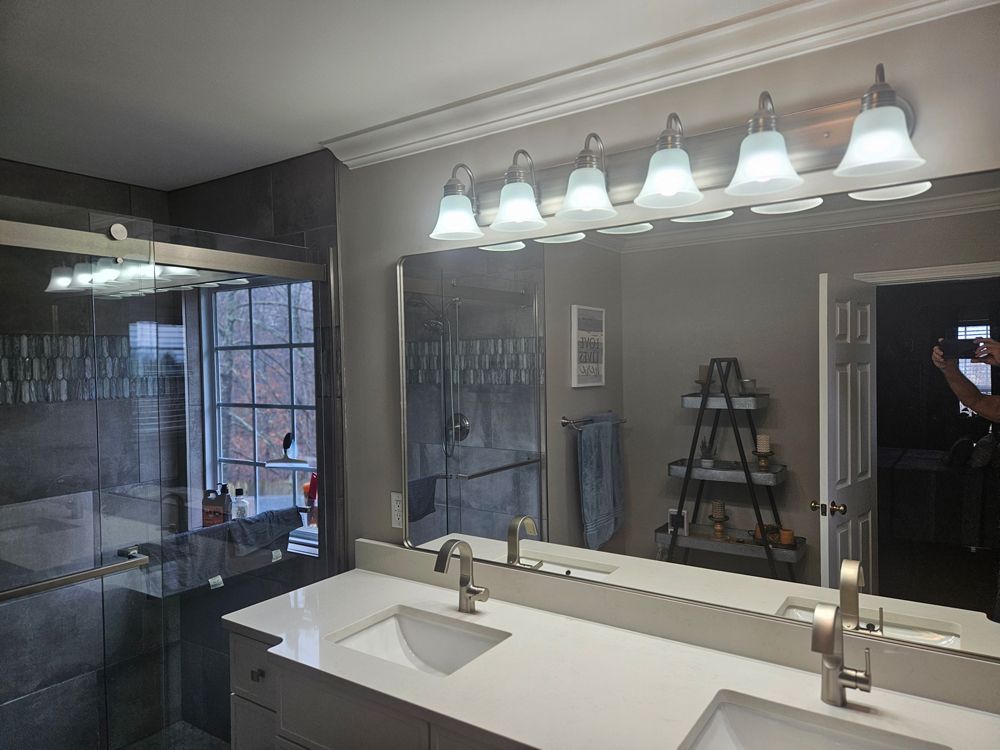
(438, 326)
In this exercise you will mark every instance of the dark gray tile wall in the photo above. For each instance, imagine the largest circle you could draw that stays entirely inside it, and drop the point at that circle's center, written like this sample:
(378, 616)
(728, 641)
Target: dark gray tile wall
(67, 715)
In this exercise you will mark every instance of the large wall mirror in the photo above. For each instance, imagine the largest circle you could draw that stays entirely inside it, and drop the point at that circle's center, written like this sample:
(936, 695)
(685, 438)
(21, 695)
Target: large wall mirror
(772, 370)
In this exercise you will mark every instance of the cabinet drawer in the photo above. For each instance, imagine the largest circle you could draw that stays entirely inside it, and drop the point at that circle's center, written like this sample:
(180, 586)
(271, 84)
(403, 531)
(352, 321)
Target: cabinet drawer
(249, 673)
(254, 728)
(331, 719)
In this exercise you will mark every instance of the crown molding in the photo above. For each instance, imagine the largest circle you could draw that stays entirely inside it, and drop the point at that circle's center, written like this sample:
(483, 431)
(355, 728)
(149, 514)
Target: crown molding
(960, 272)
(788, 30)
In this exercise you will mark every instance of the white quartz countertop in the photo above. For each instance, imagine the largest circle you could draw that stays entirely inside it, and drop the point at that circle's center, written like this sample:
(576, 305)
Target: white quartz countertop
(978, 634)
(561, 682)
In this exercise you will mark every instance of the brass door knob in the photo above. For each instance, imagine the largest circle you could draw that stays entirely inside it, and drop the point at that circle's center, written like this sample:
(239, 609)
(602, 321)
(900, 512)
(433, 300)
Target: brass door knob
(814, 505)
(842, 508)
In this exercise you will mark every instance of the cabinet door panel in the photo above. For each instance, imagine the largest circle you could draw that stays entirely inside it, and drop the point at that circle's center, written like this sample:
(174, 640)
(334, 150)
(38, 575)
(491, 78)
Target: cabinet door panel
(254, 728)
(250, 675)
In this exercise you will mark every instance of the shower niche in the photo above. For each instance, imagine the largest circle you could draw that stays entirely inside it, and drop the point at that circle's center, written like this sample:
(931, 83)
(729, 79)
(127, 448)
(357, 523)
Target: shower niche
(472, 359)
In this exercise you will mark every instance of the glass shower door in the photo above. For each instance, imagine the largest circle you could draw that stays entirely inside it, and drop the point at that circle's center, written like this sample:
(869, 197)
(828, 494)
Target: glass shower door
(82, 647)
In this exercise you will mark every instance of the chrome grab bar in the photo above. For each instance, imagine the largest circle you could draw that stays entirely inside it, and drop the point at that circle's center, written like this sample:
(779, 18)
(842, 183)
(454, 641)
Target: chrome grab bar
(133, 559)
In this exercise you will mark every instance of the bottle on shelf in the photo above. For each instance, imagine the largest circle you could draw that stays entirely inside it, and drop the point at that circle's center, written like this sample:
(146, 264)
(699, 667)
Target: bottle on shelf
(241, 508)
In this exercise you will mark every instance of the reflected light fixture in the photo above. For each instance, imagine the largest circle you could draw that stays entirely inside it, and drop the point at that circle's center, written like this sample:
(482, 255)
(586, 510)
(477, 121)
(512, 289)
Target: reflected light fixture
(698, 218)
(83, 276)
(504, 247)
(457, 214)
(105, 272)
(628, 229)
(587, 190)
(764, 166)
(561, 239)
(669, 183)
(893, 193)
(518, 210)
(880, 141)
(60, 279)
(788, 207)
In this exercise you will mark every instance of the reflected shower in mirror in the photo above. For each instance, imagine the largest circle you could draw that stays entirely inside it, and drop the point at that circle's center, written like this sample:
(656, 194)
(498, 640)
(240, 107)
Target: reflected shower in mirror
(473, 371)
(731, 409)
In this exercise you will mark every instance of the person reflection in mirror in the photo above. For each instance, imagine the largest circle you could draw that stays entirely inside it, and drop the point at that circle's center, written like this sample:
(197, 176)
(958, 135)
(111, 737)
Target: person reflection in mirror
(987, 352)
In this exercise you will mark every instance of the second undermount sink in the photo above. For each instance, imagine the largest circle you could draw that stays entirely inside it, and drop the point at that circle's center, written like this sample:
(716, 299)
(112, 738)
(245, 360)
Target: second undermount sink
(421, 640)
(734, 721)
(566, 566)
(904, 627)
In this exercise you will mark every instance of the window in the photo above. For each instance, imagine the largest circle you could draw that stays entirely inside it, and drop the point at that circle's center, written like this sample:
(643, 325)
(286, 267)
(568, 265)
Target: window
(977, 372)
(263, 357)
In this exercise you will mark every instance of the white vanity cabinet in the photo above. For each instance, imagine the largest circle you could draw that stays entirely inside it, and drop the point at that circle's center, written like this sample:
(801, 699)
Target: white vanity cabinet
(274, 706)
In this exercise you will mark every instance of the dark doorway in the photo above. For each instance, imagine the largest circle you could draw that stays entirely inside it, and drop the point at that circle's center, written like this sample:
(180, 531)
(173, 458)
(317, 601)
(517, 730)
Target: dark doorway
(938, 497)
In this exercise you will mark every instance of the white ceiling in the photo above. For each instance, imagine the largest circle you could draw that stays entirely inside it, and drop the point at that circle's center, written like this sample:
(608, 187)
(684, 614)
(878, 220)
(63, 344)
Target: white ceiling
(166, 93)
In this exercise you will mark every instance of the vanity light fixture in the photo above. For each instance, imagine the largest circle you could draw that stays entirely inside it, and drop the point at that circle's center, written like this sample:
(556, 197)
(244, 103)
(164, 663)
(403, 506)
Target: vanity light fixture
(587, 190)
(698, 218)
(628, 229)
(458, 211)
(893, 193)
(518, 210)
(562, 239)
(788, 207)
(504, 247)
(105, 272)
(60, 279)
(764, 166)
(669, 183)
(880, 141)
(83, 276)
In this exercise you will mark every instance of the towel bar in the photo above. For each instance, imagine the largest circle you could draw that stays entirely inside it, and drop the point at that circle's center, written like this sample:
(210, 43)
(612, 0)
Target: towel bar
(576, 423)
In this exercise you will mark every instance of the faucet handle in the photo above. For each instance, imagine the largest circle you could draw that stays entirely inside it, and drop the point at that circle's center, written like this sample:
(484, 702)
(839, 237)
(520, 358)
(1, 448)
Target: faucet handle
(855, 678)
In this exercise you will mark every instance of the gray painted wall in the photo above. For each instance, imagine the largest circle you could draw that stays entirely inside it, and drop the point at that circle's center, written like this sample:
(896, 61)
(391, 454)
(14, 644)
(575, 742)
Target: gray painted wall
(577, 274)
(757, 300)
(387, 210)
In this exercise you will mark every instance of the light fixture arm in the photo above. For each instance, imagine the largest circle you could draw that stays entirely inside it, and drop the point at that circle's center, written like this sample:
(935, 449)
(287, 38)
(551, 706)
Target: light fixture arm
(587, 157)
(764, 119)
(455, 186)
(673, 135)
(880, 94)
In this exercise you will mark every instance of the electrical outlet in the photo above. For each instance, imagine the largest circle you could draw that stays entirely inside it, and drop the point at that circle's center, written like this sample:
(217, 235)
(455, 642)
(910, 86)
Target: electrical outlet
(396, 506)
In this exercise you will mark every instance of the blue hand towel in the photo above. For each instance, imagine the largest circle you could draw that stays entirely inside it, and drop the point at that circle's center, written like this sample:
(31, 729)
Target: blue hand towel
(260, 531)
(420, 497)
(602, 495)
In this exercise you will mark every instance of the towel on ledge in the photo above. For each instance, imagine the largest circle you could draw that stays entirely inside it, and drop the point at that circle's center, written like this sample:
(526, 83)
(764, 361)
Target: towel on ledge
(191, 558)
(262, 530)
(602, 495)
(420, 497)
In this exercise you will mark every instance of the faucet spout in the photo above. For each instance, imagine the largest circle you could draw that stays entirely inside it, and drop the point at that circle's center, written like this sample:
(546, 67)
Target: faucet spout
(468, 592)
(828, 640)
(514, 539)
(852, 580)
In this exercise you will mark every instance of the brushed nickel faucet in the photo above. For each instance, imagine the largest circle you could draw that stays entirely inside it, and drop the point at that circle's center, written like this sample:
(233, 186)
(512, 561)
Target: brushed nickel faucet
(852, 580)
(828, 640)
(468, 592)
(514, 540)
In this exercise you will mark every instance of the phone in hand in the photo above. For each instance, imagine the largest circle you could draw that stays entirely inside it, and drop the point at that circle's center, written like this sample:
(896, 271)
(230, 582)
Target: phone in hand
(958, 348)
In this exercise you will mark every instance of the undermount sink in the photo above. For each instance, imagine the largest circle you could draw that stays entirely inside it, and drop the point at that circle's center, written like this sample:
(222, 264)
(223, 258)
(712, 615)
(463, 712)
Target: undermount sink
(567, 566)
(904, 627)
(734, 721)
(421, 640)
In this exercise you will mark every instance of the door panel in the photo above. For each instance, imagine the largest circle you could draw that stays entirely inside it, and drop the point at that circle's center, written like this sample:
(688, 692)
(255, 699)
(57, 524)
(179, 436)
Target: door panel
(847, 411)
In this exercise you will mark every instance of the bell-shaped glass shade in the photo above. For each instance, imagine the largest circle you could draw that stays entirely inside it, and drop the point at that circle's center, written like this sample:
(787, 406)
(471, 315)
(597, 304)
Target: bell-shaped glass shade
(456, 220)
(83, 276)
(105, 272)
(586, 197)
(60, 279)
(764, 166)
(880, 144)
(518, 211)
(669, 183)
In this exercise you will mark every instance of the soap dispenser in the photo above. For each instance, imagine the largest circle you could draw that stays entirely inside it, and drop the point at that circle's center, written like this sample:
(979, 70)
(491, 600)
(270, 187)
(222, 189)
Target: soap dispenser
(241, 508)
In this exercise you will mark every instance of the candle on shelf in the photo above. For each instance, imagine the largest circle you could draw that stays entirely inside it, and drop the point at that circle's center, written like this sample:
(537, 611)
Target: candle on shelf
(702, 373)
(763, 443)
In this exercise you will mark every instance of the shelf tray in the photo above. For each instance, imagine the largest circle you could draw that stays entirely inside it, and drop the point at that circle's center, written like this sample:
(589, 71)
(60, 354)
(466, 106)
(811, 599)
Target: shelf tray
(718, 401)
(739, 543)
(731, 471)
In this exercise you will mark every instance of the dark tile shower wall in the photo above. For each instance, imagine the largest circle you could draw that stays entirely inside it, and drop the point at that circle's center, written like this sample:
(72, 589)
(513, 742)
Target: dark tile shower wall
(497, 378)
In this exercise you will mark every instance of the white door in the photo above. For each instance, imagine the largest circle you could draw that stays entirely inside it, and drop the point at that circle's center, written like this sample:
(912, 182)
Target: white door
(847, 449)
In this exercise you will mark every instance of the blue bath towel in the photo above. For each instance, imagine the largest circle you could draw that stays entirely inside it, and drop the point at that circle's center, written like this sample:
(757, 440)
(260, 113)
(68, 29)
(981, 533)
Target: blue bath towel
(420, 497)
(602, 493)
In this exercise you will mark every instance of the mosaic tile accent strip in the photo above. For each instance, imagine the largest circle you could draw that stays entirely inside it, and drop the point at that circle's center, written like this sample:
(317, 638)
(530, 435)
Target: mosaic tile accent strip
(47, 368)
(518, 360)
